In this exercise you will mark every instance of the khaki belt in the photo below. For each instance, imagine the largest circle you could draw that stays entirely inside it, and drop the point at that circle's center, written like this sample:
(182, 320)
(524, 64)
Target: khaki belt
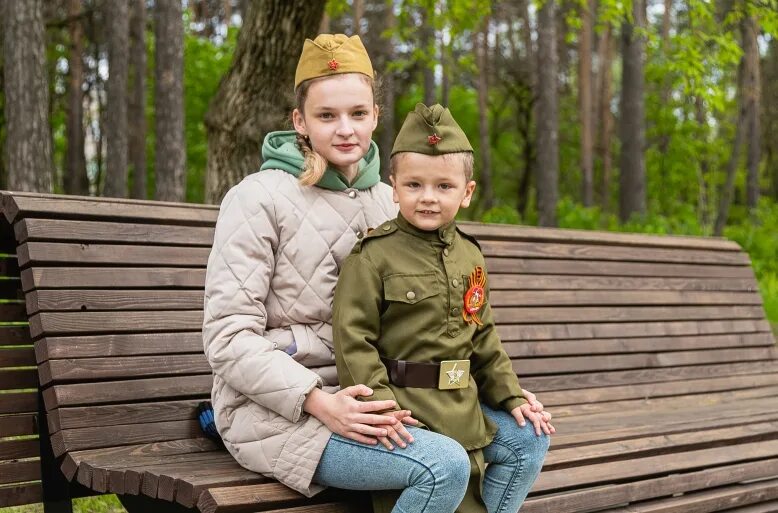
(445, 375)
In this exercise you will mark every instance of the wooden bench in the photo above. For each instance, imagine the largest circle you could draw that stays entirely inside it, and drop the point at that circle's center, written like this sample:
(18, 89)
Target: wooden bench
(653, 353)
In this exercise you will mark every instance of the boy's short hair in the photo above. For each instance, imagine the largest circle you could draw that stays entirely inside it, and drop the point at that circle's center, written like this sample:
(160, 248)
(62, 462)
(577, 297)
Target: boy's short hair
(465, 157)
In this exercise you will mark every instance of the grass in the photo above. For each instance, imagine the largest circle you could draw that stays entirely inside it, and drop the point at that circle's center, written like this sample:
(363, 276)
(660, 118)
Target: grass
(97, 504)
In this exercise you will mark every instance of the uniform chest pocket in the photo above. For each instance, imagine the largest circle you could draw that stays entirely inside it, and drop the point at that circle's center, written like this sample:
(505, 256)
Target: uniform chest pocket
(411, 288)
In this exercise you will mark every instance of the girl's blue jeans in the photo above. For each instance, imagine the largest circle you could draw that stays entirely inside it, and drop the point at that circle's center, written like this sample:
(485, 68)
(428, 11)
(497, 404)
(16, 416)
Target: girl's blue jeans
(433, 471)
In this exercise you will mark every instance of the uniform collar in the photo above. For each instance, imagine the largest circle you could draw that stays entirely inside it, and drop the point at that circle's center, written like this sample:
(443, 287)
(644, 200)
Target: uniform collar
(444, 234)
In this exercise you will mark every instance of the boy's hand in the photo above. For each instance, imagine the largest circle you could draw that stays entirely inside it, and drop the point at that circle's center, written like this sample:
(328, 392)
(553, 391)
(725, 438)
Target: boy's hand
(541, 420)
(397, 433)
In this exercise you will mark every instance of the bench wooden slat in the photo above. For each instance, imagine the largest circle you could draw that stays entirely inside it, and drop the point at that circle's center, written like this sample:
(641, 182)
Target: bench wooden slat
(118, 299)
(112, 415)
(266, 495)
(598, 268)
(763, 507)
(548, 331)
(19, 471)
(14, 335)
(567, 364)
(657, 390)
(17, 356)
(591, 499)
(18, 425)
(124, 300)
(710, 500)
(115, 368)
(123, 434)
(10, 288)
(13, 312)
(17, 204)
(111, 322)
(18, 449)
(714, 397)
(518, 281)
(135, 453)
(571, 314)
(533, 233)
(114, 254)
(656, 375)
(617, 253)
(19, 402)
(610, 297)
(127, 390)
(649, 445)
(110, 277)
(187, 320)
(635, 345)
(15, 495)
(129, 344)
(665, 464)
(31, 230)
(18, 378)
(606, 427)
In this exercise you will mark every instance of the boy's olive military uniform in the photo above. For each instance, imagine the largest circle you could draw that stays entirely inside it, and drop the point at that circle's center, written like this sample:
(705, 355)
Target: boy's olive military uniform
(400, 296)
(412, 321)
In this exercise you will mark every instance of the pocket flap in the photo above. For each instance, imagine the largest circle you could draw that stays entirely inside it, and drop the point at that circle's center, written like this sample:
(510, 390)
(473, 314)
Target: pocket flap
(410, 288)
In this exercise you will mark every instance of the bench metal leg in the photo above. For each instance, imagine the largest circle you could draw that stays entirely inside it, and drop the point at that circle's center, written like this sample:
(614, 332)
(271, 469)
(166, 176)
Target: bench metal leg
(56, 489)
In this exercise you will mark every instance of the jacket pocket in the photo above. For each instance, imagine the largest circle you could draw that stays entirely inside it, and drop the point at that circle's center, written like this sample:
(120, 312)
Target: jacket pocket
(411, 288)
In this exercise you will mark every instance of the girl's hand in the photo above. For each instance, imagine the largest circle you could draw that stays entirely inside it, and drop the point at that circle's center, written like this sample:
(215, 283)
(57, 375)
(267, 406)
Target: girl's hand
(541, 420)
(343, 414)
(397, 433)
(535, 405)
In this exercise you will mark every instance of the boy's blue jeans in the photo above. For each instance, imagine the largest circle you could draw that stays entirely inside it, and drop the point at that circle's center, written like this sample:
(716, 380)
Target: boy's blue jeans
(434, 469)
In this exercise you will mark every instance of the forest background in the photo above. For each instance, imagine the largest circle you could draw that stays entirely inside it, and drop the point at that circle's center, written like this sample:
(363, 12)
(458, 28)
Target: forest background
(657, 116)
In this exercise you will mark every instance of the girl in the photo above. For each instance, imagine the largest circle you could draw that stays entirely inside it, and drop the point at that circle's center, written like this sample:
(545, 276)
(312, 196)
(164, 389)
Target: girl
(280, 238)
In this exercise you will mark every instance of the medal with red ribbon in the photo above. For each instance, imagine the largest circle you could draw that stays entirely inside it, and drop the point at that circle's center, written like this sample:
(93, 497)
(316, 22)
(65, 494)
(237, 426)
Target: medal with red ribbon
(475, 297)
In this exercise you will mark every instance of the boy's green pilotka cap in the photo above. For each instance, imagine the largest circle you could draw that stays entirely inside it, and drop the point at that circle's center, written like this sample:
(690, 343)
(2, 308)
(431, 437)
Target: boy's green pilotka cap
(431, 131)
(330, 54)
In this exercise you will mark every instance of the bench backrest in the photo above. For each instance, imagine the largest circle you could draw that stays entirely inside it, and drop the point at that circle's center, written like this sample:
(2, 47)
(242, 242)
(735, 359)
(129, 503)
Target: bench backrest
(19, 464)
(113, 290)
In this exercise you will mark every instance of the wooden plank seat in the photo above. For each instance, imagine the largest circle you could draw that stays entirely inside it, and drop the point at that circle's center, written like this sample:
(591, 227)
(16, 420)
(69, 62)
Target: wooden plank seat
(653, 353)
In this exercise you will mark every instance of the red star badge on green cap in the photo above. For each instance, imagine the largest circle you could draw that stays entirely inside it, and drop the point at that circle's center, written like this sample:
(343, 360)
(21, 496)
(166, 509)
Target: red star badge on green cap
(434, 139)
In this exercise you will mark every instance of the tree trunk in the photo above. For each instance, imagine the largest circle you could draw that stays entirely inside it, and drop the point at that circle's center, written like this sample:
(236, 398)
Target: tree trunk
(632, 131)
(585, 101)
(254, 97)
(116, 16)
(605, 116)
(170, 155)
(428, 46)
(28, 151)
(480, 45)
(75, 180)
(387, 116)
(136, 109)
(770, 114)
(359, 13)
(727, 191)
(547, 117)
(445, 84)
(702, 201)
(752, 90)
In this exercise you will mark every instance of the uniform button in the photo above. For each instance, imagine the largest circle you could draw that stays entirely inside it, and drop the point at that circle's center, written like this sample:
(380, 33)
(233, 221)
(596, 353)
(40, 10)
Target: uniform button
(360, 235)
(454, 332)
(455, 311)
(352, 194)
(275, 346)
(387, 227)
(411, 295)
(455, 283)
(445, 251)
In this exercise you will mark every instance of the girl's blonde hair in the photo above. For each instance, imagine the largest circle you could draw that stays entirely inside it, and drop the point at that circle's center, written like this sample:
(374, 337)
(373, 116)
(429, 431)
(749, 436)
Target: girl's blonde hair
(315, 164)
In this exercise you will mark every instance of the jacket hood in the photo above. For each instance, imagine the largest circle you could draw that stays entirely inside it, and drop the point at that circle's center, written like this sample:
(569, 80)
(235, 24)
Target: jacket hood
(280, 151)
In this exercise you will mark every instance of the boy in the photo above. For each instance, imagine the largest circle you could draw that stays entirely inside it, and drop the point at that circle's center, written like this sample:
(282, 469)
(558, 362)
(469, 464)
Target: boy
(411, 319)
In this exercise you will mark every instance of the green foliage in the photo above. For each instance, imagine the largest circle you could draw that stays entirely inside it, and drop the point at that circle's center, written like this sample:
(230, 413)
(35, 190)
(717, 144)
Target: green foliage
(205, 62)
(97, 504)
(502, 214)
